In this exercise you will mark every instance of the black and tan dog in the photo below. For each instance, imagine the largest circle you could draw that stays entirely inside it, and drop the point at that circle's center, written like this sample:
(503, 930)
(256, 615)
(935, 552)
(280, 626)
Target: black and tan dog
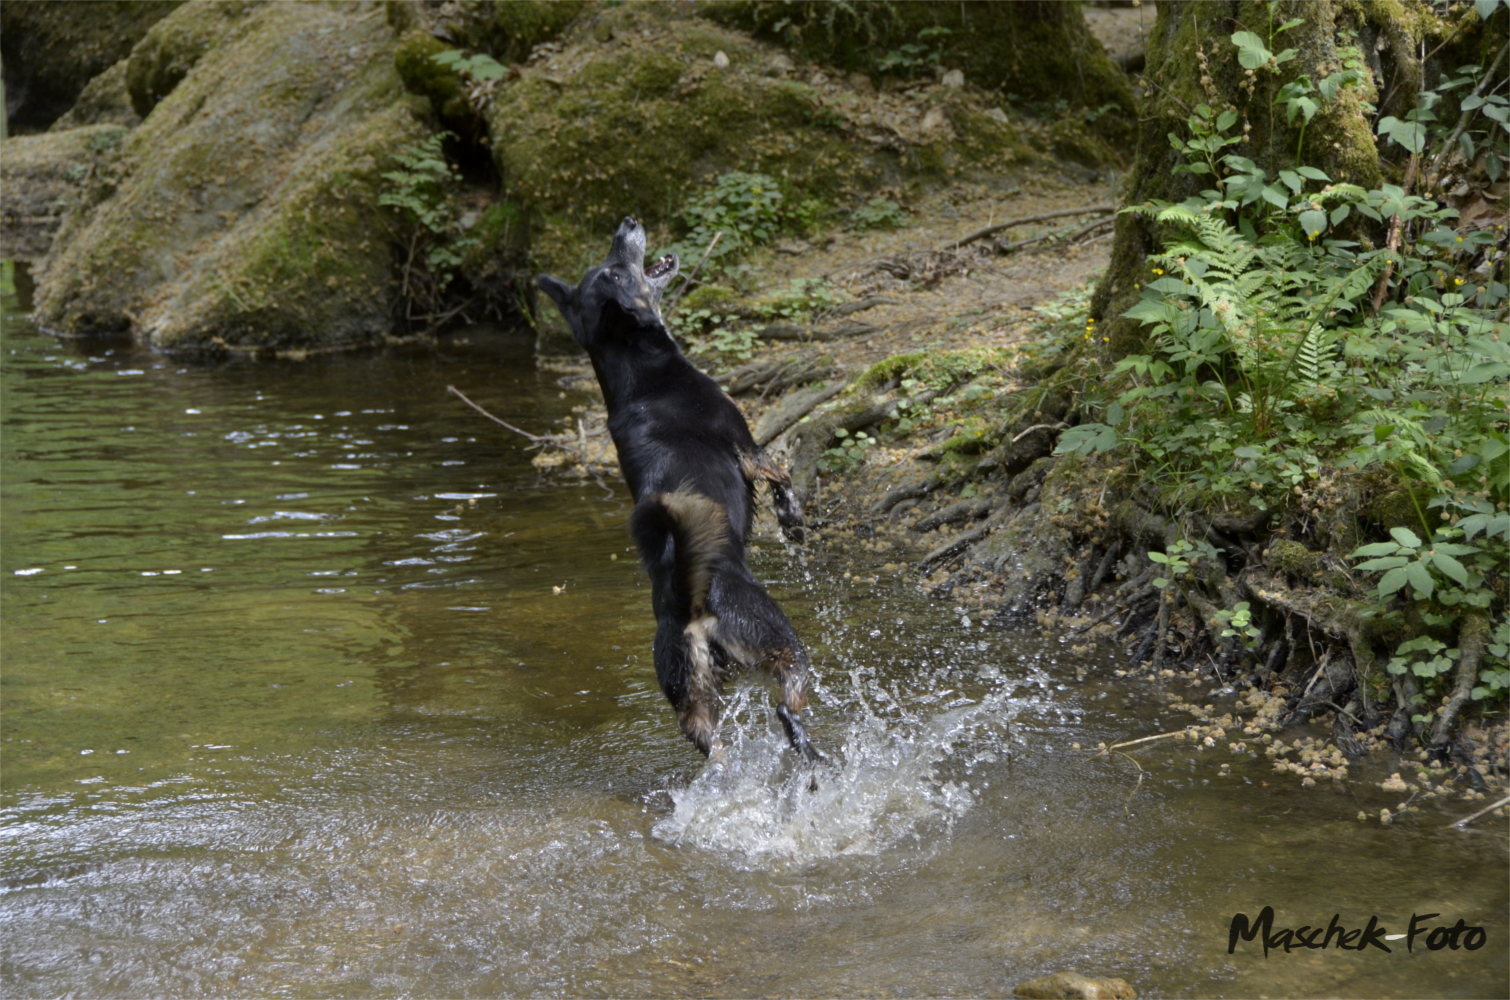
(693, 467)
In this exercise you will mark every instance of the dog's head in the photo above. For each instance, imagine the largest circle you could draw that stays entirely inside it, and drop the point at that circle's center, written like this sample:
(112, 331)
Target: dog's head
(620, 288)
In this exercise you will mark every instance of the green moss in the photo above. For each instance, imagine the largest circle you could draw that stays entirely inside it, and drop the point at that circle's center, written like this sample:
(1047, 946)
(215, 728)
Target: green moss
(894, 367)
(104, 100)
(422, 74)
(1398, 508)
(707, 297)
(51, 50)
(508, 31)
(173, 46)
(1043, 52)
(1294, 559)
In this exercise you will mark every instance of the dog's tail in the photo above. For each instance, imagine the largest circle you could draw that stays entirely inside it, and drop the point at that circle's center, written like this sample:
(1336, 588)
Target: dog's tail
(687, 534)
(759, 467)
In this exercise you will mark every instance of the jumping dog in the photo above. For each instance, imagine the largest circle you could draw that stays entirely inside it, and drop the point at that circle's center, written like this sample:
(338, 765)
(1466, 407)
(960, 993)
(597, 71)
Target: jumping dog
(693, 468)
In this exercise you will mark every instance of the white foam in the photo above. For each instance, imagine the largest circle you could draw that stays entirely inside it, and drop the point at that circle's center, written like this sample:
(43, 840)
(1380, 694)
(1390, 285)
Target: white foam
(880, 788)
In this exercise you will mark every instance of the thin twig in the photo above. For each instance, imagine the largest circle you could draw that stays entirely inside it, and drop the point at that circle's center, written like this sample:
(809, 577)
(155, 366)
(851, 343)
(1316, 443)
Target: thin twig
(1044, 217)
(1039, 427)
(671, 307)
(1083, 230)
(1469, 819)
(1144, 739)
(535, 438)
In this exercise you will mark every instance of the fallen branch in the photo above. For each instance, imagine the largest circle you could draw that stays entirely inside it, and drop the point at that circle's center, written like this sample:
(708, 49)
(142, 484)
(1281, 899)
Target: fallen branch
(1042, 217)
(1469, 819)
(533, 437)
(1471, 635)
(1131, 743)
(786, 413)
(1039, 427)
(965, 539)
(1086, 230)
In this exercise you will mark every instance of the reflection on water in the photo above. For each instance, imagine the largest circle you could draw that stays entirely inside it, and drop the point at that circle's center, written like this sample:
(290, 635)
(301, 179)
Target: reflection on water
(311, 686)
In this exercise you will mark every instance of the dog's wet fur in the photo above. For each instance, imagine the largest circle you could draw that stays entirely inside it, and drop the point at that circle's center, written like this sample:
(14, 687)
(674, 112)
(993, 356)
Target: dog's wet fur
(693, 466)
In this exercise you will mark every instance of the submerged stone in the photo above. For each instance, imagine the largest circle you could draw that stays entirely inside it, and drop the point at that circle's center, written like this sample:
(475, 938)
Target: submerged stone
(1074, 986)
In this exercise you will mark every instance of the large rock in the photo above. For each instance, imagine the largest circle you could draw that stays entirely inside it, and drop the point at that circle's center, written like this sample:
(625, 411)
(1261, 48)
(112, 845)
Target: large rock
(103, 101)
(242, 213)
(1074, 986)
(1036, 50)
(51, 49)
(40, 179)
(639, 104)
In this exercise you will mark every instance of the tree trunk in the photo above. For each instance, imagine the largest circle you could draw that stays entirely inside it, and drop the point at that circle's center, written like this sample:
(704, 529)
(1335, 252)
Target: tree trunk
(1192, 61)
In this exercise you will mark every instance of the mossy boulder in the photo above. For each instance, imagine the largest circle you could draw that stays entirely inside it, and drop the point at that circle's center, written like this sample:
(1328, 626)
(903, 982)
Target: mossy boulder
(506, 31)
(634, 112)
(50, 50)
(104, 101)
(161, 60)
(1038, 51)
(241, 214)
(40, 180)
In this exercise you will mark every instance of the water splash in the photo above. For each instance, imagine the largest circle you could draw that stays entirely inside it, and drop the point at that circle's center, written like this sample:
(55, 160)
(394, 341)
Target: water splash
(894, 779)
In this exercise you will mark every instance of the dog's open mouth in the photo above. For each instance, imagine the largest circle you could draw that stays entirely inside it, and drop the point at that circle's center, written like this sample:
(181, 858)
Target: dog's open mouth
(662, 266)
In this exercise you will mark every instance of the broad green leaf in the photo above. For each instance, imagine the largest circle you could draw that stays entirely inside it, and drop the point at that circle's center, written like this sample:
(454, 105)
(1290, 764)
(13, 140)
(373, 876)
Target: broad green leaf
(1313, 223)
(1251, 52)
(1275, 196)
(1405, 537)
(1450, 567)
(1386, 562)
(1376, 549)
(1420, 579)
(1392, 581)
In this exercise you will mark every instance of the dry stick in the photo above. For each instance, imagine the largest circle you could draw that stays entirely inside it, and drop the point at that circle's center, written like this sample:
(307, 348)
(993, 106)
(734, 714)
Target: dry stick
(671, 308)
(1144, 739)
(1471, 636)
(1395, 227)
(1040, 427)
(1469, 819)
(535, 438)
(1128, 801)
(1084, 230)
(991, 230)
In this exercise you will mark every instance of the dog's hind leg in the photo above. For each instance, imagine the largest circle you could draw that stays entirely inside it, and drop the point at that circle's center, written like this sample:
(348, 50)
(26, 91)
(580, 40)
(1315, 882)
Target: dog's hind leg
(691, 679)
(754, 632)
(791, 681)
(681, 537)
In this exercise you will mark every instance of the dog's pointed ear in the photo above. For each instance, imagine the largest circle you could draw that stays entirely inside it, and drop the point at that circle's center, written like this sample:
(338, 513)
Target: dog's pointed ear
(564, 295)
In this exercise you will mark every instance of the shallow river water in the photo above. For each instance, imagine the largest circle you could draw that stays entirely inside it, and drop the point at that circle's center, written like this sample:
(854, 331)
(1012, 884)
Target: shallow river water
(312, 686)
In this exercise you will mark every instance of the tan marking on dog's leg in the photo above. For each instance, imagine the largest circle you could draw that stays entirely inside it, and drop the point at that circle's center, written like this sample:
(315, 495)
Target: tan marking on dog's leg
(699, 716)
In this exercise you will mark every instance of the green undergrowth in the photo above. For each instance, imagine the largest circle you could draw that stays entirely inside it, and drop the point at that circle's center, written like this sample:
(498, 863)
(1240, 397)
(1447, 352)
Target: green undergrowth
(1291, 350)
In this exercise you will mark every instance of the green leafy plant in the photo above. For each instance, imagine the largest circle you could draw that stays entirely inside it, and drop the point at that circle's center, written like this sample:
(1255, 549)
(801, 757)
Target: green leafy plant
(878, 213)
(1239, 624)
(744, 207)
(916, 58)
(849, 454)
(479, 66)
(421, 194)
